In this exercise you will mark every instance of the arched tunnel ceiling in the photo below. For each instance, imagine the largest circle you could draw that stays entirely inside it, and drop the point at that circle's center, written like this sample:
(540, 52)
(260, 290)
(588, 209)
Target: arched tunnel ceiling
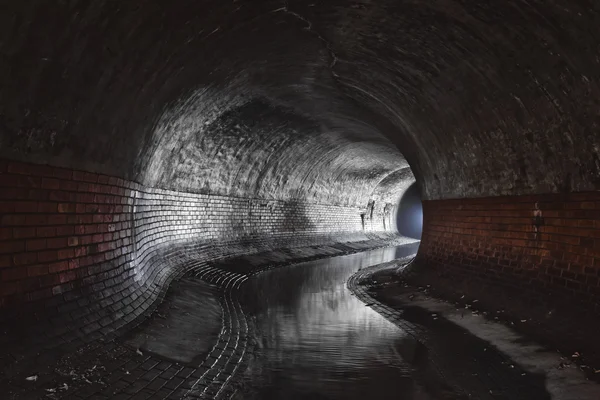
(319, 100)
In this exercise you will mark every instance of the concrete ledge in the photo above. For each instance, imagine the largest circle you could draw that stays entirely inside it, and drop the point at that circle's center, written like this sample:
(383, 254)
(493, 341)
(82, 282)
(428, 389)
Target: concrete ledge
(388, 291)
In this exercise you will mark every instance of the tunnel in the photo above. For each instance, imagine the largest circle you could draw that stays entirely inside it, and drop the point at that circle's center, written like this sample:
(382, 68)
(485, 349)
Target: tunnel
(409, 214)
(144, 142)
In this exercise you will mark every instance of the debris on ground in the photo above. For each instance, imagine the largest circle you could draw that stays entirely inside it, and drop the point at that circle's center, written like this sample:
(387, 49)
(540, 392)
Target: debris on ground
(32, 378)
(563, 365)
(63, 387)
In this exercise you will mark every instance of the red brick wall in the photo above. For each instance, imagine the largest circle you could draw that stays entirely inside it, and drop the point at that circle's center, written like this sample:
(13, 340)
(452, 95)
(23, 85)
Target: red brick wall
(90, 252)
(493, 241)
(57, 226)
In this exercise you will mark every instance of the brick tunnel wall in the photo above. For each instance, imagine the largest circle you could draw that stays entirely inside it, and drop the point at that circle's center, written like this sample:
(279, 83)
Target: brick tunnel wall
(478, 109)
(493, 243)
(81, 244)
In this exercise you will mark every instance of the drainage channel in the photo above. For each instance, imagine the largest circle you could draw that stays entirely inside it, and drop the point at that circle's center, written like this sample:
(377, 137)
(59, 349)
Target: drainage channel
(315, 339)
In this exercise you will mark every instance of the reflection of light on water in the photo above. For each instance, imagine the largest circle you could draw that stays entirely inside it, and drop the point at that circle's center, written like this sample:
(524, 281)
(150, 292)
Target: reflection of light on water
(318, 341)
(338, 326)
(328, 327)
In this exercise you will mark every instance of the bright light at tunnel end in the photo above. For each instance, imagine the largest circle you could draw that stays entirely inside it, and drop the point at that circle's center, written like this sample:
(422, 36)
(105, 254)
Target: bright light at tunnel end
(409, 218)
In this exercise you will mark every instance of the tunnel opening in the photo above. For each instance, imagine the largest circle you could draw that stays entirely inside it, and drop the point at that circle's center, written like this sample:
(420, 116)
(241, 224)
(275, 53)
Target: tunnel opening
(409, 218)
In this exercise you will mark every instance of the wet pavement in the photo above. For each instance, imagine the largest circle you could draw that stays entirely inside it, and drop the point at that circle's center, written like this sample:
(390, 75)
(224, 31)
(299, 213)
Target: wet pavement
(316, 340)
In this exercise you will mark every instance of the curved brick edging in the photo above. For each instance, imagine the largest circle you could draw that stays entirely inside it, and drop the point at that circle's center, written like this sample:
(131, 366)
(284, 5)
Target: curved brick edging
(227, 354)
(109, 313)
(127, 374)
(389, 313)
(226, 357)
(123, 373)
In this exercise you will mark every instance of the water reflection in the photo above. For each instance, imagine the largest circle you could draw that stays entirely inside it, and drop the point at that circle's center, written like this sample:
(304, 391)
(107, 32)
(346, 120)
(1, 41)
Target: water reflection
(318, 341)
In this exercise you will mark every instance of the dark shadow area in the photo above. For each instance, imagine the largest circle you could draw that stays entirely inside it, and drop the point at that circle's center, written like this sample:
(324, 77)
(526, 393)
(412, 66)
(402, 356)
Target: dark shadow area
(184, 327)
(410, 213)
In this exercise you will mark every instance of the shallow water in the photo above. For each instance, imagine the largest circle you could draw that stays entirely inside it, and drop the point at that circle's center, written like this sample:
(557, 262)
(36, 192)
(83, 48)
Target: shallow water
(316, 340)
(310, 338)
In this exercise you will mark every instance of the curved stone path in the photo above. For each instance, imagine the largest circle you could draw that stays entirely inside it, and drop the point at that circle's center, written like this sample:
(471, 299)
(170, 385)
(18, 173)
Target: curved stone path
(227, 354)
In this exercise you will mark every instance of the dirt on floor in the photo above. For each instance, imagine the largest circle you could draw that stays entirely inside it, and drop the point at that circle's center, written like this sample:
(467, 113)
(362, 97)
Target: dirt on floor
(570, 331)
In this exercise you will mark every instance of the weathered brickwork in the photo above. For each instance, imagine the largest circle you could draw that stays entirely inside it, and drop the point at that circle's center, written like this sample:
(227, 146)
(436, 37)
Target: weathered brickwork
(534, 245)
(61, 230)
(85, 254)
(164, 218)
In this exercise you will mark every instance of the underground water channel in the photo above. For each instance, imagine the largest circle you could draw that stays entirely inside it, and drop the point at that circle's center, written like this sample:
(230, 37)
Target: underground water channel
(302, 332)
(314, 339)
